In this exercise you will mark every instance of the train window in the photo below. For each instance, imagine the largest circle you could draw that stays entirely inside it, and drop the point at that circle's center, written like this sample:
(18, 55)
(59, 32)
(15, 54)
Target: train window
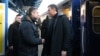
(97, 12)
(97, 28)
(96, 19)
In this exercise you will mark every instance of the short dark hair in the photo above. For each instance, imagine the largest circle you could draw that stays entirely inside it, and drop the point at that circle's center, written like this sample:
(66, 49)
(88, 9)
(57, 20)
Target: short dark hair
(18, 15)
(30, 10)
(53, 6)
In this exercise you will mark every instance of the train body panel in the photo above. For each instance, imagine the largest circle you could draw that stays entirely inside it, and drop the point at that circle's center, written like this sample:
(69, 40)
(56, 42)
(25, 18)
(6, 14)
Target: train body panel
(92, 29)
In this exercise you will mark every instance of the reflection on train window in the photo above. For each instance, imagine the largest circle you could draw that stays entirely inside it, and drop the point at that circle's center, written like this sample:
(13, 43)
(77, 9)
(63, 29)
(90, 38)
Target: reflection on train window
(96, 19)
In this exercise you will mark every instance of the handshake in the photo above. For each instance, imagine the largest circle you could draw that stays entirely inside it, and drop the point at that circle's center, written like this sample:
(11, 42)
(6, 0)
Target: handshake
(43, 41)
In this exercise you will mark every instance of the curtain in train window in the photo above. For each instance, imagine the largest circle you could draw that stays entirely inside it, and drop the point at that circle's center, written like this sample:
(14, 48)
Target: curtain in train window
(96, 19)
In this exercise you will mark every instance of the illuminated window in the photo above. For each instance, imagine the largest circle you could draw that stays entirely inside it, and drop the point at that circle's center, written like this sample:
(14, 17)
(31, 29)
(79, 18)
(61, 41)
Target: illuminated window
(96, 19)
(11, 16)
(43, 7)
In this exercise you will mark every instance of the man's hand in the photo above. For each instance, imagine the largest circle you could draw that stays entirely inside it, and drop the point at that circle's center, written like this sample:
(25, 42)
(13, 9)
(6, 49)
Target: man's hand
(11, 47)
(63, 53)
(43, 41)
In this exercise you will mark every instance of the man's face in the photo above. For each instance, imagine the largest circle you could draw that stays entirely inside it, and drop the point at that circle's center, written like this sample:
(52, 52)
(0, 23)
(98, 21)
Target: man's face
(18, 18)
(35, 14)
(51, 11)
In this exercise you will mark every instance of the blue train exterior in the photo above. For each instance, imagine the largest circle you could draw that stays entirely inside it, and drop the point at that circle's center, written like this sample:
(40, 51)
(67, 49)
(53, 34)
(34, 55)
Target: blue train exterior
(90, 29)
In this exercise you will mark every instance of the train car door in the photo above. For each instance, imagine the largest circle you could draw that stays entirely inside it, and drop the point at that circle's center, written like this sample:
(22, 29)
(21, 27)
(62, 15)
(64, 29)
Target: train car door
(92, 28)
